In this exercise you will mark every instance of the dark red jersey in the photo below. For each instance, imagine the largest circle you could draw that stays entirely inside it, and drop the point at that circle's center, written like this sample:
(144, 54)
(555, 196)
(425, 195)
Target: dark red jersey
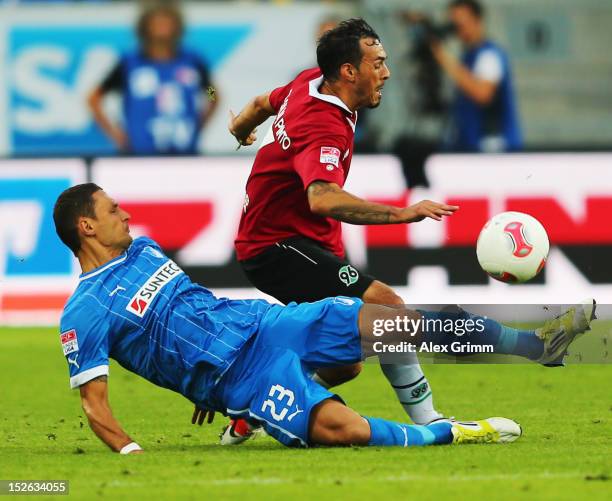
(311, 139)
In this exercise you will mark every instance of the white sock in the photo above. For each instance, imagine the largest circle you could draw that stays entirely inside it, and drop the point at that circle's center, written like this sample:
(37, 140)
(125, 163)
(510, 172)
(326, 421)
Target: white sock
(412, 390)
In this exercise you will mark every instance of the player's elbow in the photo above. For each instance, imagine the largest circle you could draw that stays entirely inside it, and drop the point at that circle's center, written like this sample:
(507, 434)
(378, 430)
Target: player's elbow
(322, 198)
(320, 205)
(262, 105)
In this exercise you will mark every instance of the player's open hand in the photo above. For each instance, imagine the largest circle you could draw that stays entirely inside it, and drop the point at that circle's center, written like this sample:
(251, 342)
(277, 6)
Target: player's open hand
(243, 138)
(427, 208)
(199, 415)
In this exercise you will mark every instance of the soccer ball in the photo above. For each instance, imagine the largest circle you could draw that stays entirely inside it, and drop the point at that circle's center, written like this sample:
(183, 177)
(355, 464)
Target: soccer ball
(512, 247)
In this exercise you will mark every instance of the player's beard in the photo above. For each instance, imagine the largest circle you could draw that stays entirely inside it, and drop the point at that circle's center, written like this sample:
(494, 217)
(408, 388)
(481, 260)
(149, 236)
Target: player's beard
(375, 104)
(126, 242)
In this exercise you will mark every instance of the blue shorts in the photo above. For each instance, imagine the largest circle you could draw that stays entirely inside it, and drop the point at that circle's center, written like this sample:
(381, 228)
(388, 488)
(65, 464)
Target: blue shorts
(323, 334)
(270, 382)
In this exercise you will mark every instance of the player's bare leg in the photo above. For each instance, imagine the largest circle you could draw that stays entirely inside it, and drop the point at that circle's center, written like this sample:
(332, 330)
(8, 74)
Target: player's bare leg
(334, 424)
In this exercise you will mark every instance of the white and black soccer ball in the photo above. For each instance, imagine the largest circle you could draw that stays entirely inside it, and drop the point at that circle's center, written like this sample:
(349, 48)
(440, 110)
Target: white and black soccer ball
(512, 247)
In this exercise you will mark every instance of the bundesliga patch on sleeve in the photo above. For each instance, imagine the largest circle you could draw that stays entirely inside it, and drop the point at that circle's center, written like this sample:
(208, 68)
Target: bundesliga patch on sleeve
(69, 341)
(329, 156)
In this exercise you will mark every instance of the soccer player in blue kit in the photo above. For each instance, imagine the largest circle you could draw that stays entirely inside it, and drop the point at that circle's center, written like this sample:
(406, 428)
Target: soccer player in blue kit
(245, 358)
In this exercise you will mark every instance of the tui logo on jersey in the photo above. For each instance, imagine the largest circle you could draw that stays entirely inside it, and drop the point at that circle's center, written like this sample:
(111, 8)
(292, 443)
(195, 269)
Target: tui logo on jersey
(140, 302)
(69, 341)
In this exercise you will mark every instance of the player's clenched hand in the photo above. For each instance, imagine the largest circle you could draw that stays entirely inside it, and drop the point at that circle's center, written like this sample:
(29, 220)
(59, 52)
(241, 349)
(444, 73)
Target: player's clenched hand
(199, 415)
(427, 208)
(243, 138)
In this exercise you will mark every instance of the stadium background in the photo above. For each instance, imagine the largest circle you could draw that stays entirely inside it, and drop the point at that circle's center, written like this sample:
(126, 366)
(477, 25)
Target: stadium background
(55, 53)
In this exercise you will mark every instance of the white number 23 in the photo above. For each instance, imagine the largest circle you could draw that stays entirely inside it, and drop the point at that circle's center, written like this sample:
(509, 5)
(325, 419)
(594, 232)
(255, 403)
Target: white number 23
(279, 393)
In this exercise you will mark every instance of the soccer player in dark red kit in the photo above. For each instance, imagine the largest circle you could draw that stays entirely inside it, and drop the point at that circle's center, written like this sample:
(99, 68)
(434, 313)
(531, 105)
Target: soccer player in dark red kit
(289, 241)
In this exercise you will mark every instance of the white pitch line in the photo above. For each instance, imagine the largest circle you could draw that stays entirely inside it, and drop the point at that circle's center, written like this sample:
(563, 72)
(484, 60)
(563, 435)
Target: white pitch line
(350, 480)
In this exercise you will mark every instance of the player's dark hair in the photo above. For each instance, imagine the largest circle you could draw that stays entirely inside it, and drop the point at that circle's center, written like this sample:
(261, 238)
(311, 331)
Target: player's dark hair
(73, 203)
(166, 9)
(473, 5)
(341, 45)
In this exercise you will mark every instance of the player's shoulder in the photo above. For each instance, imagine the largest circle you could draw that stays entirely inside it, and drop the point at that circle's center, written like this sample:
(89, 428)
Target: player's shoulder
(307, 75)
(81, 309)
(141, 243)
(490, 47)
(190, 55)
(318, 104)
(324, 117)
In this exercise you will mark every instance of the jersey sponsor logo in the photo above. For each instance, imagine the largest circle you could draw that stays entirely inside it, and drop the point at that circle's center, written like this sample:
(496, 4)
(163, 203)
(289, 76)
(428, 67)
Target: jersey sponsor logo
(280, 133)
(348, 275)
(329, 155)
(69, 341)
(140, 302)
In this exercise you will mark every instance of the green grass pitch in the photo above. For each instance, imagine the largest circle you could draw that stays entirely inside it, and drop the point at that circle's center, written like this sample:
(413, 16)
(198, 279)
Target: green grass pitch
(565, 452)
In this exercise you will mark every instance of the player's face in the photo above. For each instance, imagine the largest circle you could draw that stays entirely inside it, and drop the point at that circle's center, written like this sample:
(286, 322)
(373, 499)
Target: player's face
(372, 73)
(162, 29)
(468, 26)
(111, 223)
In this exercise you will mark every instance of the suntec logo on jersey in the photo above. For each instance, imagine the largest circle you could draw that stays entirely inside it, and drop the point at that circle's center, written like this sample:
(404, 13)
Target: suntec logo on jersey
(140, 302)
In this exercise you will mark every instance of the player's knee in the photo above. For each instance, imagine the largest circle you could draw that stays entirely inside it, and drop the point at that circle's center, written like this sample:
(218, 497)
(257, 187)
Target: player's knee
(351, 372)
(380, 293)
(340, 375)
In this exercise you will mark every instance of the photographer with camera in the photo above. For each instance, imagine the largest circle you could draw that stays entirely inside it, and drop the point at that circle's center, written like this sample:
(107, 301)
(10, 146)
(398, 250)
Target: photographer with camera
(484, 113)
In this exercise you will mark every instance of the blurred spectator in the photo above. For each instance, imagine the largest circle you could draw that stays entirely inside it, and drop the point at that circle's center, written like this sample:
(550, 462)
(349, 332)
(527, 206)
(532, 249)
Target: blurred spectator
(484, 112)
(166, 89)
(325, 25)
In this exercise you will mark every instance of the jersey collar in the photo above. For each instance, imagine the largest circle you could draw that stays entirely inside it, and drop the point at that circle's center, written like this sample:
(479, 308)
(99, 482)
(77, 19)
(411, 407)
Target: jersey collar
(104, 267)
(313, 90)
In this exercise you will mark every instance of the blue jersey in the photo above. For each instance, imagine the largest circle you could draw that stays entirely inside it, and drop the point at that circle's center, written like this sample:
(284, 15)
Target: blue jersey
(161, 101)
(474, 123)
(143, 311)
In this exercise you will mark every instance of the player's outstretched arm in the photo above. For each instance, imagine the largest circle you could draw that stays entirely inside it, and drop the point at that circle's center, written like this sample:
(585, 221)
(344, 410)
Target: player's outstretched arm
(94, 399)
(329, 200)
(243, 126)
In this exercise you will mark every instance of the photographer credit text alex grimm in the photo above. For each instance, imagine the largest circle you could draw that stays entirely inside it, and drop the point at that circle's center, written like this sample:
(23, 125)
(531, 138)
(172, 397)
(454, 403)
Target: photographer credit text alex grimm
(412, 326)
